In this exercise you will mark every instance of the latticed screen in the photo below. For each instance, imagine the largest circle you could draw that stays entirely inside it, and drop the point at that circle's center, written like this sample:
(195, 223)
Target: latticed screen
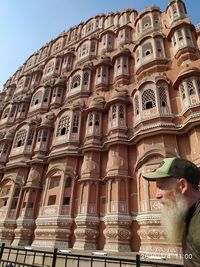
(76, 81)
(147, 49)
(37, 98)
(97, 119)
(6, 112)
(30, 136)
(146, 22)
(198, 84)
(190, 87)
(46, 94)
(75, 124)
(20, 138)
(182, 90)
(90, 120)
(63, 126)
(148, 99)
(121, 111)
(86, 77)
(137, 109)
(162, 96)
(114, 112)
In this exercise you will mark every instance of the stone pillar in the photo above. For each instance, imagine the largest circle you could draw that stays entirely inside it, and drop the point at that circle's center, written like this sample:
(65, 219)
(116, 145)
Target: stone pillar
(26, 221)
(117, 219)
(87, 221)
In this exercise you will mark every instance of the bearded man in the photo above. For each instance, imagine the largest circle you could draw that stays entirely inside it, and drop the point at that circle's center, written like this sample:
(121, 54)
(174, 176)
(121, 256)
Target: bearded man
(177, 182)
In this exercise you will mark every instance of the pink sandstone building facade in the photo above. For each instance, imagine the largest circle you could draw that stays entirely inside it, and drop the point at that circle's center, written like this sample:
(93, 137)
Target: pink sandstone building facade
(84, 117)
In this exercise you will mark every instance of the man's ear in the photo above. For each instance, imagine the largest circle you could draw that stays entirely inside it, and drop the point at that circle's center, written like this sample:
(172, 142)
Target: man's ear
(183, 185)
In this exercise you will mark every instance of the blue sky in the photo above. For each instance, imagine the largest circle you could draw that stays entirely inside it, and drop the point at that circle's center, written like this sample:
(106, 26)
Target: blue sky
(26, 25)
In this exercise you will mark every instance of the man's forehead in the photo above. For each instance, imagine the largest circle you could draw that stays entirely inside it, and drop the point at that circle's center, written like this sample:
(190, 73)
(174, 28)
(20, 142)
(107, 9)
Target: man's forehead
(166, 181)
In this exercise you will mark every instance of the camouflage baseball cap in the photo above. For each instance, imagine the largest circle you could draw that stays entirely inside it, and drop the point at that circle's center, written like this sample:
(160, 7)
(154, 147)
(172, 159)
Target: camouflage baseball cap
(177, 168)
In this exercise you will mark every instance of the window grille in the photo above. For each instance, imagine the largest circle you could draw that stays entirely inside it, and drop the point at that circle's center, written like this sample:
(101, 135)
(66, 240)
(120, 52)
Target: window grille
(146, 22)
(137, 108)
(148, 99)
(118, 62)
(162, 96)
(147, 49)
(20, 138)
(125, 62)
(159, 48)
(12, 113)
(121, 112)
(30, 136)
(27, 79)
(156, 18)
(86, 77)
(57, 64)
(198, 85)
(39, 136)
(190, 87)
(182, 90)
(76, 81)
(49, 67)
(6, 112)
(46, 94)
(75, 124)
(90, 121)
(114, 112)
(180, 35)
(63, 126)
(5, 149)
(93, 47)
(97, 119)
(187, 33)
(59, 92)
(37, 98)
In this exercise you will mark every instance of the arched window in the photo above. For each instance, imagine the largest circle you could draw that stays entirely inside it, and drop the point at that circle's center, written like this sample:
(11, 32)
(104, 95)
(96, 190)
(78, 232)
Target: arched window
(190, 87)
(30, 136)
(49, 67)
(75, 124)
(93, 47)
(63, 126)
(6, 112)
(121, 112)
(146, 23)
(114, 112)
(147, 49)
(137, 109)
(182, 90)
(46, 94)
(198, 85)
(159, 48)
(162, 96)
(148, 99)
(76, 81)
(86, 77)
(90, 120)
(20, 138)
(156, 18)
(37, 98)
(97, 119)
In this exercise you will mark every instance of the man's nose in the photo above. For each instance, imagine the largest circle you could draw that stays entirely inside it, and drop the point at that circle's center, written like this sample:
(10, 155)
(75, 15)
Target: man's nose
(158, 194)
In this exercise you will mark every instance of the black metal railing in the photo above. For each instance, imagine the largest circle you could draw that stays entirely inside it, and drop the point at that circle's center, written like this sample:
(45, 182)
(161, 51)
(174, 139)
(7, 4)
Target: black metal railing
(18, 257)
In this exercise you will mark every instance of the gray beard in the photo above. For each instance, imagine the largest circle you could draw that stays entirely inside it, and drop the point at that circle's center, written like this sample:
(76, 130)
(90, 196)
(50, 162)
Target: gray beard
(173, 218)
